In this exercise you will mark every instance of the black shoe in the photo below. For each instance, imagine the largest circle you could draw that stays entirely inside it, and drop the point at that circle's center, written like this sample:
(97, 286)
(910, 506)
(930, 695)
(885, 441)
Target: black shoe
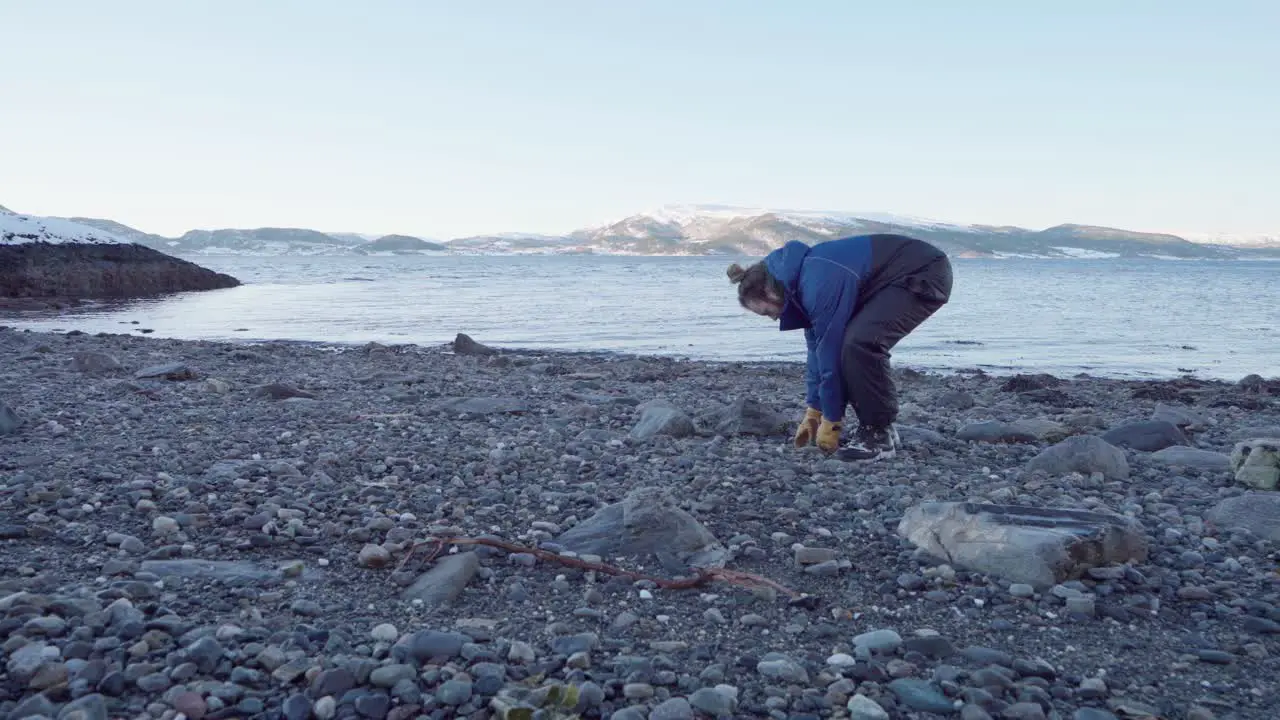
(872, 444)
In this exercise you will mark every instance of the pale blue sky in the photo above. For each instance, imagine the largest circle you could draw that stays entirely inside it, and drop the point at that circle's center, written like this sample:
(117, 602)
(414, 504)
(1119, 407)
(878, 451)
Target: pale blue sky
(470, 116)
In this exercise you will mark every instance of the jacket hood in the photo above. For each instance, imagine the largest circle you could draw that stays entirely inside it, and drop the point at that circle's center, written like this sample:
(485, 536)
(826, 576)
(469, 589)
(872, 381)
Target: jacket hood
(784, 265)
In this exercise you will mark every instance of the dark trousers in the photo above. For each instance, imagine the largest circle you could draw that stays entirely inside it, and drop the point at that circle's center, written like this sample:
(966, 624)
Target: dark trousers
(885, 318)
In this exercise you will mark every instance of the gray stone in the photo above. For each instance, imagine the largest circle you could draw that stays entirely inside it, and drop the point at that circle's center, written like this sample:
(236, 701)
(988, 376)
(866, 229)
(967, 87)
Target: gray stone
(1256, 463)
(647, 523)
(166, 371)
(93, 363)
(1146, 435)
(923, 696)
(1258, 512)
(717, 702)
(994, 431)
(464, 345)
(89, 707)
(477, 407)
(677, 708)
(1189, 457)
(10, 421)
(1085, 454)
(1184, 418)
(861, 707)
(783, 669)
(1036, 546)
(744, 416)
(913, 435)
(878, 640)
(659, 417)
(444, 582)
(233, 572)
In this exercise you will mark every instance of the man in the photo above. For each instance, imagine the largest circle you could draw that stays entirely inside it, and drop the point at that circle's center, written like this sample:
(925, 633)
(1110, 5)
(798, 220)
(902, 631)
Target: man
(855, 298)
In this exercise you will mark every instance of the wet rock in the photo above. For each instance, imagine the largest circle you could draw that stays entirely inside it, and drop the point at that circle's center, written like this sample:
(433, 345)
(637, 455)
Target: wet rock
(994, 431)
(464, 345)
(94, 363)
(166, 371)
(1085, 454)
(922, 695)
(476, 407)
(1036, 546)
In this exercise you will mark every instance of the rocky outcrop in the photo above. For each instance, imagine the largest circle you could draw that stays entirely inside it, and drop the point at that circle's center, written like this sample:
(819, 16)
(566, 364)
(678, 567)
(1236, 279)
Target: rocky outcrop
(47, 262)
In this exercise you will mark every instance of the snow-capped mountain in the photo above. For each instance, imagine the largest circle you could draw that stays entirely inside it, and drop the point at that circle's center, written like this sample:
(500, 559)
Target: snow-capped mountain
(16, 229)
(717, 230)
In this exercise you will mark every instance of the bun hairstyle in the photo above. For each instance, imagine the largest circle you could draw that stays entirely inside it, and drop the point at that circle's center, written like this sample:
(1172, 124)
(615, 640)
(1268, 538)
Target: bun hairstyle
(755, 283)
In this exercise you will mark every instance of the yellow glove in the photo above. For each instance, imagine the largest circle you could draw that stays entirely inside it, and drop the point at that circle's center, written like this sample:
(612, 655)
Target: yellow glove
(829, 435)
(808, 429)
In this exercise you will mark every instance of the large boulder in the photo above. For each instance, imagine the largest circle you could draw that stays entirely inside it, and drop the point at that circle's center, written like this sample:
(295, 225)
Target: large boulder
(45, 260)
(1256, 463)
(647, 524)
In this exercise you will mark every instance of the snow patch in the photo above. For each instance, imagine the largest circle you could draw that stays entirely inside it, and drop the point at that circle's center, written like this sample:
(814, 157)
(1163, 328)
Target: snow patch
(1083, 254)
(18, 229)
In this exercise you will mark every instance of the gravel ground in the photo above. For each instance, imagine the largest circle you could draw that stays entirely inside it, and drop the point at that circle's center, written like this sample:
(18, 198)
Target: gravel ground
(214, 531)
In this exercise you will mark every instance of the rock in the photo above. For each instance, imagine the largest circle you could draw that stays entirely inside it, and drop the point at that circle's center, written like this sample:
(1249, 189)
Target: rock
(1183, 456)
(10, 421)
(744, 416)
(785, 669)
(444, 582)
(955, 400)
(878, 641)
(1257, 512)
(82, 263)
(718, 702)
(282, 391)
(1036, 546)
(861, 707)
(1256, 463)
(374, 556)
(1043, 429)
(478, 407)
(232, 572)
(677, 708)
(1022, 383)
(166, 371)
(464, 345)
(921, 695)
(994, 431)
(659, 417)
(1183, 418)
(93, 363)
(1146, 435)
(1085, 454)
(647, 523)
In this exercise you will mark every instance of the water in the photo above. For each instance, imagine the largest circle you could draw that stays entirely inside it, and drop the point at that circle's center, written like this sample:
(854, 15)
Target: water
(1118, 318)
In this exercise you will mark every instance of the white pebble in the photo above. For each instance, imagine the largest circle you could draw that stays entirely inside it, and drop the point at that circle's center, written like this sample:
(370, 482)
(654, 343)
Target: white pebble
(646, 595)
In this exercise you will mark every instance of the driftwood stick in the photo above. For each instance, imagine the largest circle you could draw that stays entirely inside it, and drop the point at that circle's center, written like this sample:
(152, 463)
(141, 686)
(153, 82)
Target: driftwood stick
(704, 576)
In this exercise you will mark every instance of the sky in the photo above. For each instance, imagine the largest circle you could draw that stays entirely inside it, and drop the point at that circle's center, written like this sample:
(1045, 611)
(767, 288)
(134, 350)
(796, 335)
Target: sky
(449, 118)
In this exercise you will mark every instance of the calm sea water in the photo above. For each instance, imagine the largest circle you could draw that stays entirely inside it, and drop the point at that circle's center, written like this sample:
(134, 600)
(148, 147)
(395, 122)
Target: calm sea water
(1120, 318)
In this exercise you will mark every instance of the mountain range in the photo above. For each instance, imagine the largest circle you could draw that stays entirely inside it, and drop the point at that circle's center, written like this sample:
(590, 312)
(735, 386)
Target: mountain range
(712, 230)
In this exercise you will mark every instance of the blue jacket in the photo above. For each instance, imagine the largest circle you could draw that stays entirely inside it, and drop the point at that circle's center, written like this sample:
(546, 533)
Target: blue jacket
(823, 287)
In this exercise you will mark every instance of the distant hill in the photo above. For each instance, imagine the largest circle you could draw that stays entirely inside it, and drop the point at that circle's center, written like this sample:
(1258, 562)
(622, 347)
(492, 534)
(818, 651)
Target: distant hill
(719, 230)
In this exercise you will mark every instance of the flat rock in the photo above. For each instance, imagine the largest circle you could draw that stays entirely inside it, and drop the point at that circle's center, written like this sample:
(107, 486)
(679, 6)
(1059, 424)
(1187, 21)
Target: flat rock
(481, 406)
(282, 391)
(166, 371)
(9, 420)
(1181, 417)
(1181, 455)
(1146, 435)
(445, 581)
(744, 416)
(1257, 512)
(647, 523)
(1084, 454)
(93, 363)
(994, 431)
(1256, 463)
(1036, 546)
(226, 571)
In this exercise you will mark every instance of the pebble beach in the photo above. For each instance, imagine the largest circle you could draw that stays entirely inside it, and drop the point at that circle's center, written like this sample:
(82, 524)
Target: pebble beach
(194, 529)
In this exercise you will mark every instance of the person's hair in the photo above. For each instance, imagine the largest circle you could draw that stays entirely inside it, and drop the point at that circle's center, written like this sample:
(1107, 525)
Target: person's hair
(755, 283)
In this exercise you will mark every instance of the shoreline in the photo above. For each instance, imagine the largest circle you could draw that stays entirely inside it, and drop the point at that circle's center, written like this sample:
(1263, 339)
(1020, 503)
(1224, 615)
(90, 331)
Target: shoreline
(217, 529)
(554, 352)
